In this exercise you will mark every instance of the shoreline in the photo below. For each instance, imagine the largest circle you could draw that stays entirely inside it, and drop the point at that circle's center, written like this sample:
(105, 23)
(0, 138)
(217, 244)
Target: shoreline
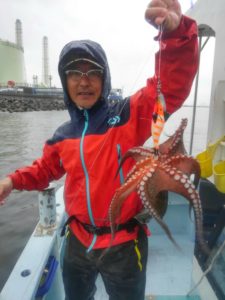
(27, 103)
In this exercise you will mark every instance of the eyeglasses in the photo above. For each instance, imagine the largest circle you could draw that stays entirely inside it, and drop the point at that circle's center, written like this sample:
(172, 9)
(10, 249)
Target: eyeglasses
(92, 75)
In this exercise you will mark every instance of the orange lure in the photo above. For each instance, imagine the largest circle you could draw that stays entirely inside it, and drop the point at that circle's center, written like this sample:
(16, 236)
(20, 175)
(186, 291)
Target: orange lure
(158, 121)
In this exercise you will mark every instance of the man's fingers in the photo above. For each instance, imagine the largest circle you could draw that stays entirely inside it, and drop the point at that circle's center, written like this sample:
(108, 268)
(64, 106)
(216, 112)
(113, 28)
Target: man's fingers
(164, 3)
(154, 14)
(157, 3)
(2, 200)
(167, 12)
(159, 20)
(6, 187)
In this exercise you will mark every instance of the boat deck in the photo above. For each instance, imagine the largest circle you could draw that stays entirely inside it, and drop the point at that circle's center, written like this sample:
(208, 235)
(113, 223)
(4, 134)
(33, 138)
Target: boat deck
(169, 271)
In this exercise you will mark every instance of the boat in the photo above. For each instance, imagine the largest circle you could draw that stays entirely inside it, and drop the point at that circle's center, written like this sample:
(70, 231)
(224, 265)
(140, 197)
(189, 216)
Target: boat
(37, 273)
(171, 274)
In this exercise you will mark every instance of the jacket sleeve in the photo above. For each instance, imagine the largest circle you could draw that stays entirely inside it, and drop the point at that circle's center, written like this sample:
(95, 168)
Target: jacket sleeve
(178, 67)
(40, 173)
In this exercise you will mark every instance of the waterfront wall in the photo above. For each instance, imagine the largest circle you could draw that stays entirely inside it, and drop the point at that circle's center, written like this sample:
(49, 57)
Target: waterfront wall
(21, 103)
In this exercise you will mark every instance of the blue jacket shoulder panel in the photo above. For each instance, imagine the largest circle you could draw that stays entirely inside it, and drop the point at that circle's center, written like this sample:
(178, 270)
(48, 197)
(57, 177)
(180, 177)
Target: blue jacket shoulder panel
(67, 130)
(100, 118)
(119, 113)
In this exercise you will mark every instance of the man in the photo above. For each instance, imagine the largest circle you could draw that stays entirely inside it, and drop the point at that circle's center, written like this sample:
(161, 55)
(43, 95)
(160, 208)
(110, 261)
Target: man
(89, 147)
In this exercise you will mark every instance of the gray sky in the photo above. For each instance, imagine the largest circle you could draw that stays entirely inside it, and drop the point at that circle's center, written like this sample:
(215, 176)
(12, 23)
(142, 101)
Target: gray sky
(118, 25)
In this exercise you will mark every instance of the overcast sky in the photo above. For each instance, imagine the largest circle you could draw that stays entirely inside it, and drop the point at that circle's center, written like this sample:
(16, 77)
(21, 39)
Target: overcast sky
(118, 25)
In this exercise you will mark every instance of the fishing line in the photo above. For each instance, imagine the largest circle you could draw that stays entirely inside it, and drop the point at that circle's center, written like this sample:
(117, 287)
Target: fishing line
(160, 50)
(132, 86)
(159, 61)
(119, 114)
(158, 116)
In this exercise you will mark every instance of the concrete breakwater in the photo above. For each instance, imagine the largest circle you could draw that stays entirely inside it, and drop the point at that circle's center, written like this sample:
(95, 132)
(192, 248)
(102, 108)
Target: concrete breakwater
(21, 103)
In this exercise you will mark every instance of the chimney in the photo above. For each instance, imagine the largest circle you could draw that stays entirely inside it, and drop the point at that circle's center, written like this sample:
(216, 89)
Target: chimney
(19, 33)
(45, 62)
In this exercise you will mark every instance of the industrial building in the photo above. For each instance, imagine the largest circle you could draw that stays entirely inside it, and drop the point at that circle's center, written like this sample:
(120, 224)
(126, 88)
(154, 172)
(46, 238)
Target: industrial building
(12, 65)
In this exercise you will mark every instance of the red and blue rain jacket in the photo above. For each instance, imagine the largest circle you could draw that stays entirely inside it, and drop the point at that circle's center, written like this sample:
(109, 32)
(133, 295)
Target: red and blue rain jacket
(89, 147)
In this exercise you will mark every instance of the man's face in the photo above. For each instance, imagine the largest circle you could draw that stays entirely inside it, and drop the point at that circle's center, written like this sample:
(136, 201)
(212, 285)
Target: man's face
(84, 89)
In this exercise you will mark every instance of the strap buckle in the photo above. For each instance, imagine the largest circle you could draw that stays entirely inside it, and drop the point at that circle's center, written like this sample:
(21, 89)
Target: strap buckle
(96, 230)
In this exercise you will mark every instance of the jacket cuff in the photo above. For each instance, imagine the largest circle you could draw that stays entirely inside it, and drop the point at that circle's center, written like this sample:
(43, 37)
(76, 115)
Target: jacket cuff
(15, 177)
(186, 29)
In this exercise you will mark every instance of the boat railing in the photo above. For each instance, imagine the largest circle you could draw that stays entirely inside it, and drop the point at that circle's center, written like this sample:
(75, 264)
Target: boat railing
(38, 269)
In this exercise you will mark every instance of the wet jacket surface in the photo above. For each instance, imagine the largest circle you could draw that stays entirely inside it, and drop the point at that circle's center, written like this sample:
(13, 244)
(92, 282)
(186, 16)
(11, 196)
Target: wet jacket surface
(89, 147)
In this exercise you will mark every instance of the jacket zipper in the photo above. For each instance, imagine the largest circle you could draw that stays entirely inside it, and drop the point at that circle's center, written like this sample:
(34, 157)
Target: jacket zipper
(87, 184)
(119, 153)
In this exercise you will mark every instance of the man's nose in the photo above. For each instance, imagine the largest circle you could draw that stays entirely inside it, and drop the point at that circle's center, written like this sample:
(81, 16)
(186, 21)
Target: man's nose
(84, 80)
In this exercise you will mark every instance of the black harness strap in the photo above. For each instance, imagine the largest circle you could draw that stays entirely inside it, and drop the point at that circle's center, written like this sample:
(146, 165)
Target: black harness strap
(129, 226)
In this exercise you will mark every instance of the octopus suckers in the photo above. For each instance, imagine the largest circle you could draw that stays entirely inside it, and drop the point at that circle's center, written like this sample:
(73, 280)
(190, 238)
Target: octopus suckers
(177, 177)
(190, 190)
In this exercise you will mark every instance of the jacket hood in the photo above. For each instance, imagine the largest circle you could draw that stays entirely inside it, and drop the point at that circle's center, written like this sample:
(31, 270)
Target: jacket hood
(87, 49)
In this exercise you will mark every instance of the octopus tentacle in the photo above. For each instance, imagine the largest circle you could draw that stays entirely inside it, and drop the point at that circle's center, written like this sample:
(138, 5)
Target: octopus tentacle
(139, 166)
(175, 144)
(173, 180)
(144, 195)
(136, 153)
(120, 196)
(187, 165)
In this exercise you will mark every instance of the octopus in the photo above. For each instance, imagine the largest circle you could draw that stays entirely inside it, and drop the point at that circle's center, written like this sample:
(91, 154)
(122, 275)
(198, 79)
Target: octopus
(154, 175)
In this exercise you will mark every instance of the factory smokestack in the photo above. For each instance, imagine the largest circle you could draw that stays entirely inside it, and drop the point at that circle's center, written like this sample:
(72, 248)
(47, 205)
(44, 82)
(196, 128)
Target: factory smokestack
(19, 33)
(45, 62)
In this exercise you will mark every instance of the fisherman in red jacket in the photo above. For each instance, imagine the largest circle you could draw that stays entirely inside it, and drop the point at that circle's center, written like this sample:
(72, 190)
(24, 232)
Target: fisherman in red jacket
(88, 149)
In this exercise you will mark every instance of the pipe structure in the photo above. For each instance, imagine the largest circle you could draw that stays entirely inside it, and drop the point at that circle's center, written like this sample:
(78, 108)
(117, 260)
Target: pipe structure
(45, 62)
